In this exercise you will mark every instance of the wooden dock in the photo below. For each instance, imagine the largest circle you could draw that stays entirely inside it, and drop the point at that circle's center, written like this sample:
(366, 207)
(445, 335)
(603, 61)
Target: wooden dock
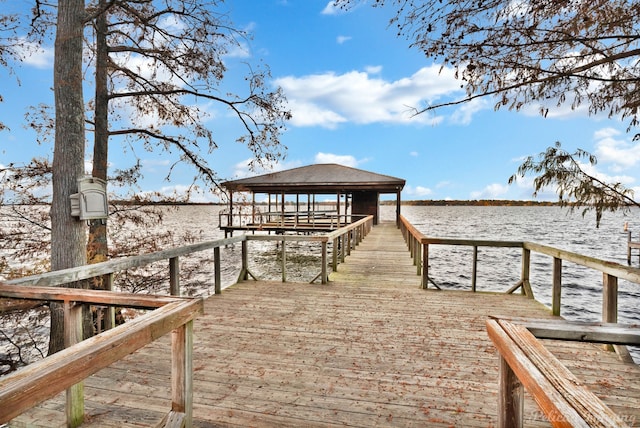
(370, 348)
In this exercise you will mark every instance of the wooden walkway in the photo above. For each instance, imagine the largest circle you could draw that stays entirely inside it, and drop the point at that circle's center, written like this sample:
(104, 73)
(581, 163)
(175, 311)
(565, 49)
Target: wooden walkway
(368, 349)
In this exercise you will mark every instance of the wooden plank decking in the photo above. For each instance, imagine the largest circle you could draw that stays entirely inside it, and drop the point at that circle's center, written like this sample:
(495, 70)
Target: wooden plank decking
(368, 349)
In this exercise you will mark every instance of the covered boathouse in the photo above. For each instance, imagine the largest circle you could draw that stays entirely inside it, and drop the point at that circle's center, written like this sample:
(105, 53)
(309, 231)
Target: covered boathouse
(318, 197)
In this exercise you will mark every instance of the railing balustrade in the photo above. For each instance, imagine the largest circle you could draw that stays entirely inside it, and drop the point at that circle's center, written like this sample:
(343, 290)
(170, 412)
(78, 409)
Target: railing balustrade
(67, 369)
(419, 244)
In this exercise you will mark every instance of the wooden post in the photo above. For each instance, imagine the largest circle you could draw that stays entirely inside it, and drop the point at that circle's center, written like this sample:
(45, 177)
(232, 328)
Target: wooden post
(609, 302)
(282, 208)
(349, 243)
(510, 398)
(343, 245)
(556, 292)
(334, 255)
(425, 266)
(610, 298)
(338, 209)
(217, 274)
(110, 312)
(410, 243)
(73, 334)
(244, 272)
(629, 247)
(253, 208)
(417, 261)
(324, 263)
(174, 276)
(474, 269)
(283, 257)
(526, 266)
(182, 372)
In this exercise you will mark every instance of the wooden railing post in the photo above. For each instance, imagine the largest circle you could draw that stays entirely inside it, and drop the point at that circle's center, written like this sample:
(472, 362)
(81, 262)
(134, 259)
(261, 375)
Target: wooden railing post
(174, 276)
(343, 245)
(182, 372)
(217, 273)
(425, 266)
(244, 273)
(526, 267)
(73, 334)
(417, 260)
(324, 263)
(609, 298)
(510, 397)
(284, 261)
(609, 302)
(334, 255)
(556, 292)
(110, 311)
(474, 269)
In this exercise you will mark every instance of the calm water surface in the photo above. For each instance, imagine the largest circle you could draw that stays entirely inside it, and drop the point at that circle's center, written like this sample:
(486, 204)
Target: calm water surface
(499, 269)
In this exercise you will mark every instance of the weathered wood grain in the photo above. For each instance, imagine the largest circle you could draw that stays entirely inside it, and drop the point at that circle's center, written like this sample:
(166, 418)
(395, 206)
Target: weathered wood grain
(370, 348)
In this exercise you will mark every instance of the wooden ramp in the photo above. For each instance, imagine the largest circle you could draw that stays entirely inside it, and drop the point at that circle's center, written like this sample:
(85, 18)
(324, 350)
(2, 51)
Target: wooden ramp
(368, 349)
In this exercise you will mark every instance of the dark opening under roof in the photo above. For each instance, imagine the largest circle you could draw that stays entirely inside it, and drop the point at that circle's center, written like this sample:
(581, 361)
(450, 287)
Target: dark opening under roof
(318, 179)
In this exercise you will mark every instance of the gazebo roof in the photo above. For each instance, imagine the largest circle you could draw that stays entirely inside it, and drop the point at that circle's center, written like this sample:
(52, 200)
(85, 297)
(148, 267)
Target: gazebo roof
(318, 179)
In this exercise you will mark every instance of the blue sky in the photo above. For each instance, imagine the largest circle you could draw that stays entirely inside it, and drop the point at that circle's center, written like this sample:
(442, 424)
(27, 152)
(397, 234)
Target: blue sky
(351, 85)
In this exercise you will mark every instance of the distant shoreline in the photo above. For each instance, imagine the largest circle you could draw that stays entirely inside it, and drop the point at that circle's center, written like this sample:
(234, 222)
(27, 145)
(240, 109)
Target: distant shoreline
(419, 202)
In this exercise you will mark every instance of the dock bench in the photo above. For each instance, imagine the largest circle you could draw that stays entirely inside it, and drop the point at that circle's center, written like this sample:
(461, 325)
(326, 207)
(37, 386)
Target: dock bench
(526, 363)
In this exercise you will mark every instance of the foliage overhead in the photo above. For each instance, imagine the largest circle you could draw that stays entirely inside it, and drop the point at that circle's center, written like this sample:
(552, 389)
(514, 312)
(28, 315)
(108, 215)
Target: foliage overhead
(165, 57)
(536, 52)
(575, 187)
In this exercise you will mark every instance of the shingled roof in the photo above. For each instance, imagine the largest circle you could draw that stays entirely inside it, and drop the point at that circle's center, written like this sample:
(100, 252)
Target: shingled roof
(317, 178)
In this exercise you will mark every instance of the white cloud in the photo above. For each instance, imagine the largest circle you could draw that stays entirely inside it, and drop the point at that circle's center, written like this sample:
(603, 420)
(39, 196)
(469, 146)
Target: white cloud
(346, 160)
(413, 153)
(242, 169)
(331, 9)
(373, 69)
(492, 191)
(464, 114)
(593, 171)
(621, 153)
(329, 99)
(417, 191)
(341, 39)
(36, 55)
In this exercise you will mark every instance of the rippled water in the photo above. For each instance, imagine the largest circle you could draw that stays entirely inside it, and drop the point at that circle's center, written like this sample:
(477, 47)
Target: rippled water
(449, 266)
(499, 269)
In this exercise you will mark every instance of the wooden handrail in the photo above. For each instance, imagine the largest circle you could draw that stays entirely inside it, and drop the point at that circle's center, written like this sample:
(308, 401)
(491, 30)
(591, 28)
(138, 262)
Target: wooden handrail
(39, 381)
(526, 363)
(612, 271)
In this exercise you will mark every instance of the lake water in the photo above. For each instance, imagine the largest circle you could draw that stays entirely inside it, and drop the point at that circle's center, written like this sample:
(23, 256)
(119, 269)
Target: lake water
(498, 268)
(449, 266)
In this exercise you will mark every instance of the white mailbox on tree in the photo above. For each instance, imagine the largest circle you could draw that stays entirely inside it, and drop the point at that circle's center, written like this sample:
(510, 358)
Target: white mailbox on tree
(91, 200)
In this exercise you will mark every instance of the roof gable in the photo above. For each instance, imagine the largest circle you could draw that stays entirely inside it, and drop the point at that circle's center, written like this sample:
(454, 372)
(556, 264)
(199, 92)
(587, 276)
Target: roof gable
(317, 178)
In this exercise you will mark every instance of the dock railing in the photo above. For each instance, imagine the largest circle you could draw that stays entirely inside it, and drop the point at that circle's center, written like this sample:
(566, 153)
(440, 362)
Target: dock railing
(67, 369)
(290, 219)
(524, 362)
(419, 245)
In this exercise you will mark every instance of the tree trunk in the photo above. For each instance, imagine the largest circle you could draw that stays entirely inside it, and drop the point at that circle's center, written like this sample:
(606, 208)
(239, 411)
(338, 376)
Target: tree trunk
(97, 246)
(97, 249)
(68, 234)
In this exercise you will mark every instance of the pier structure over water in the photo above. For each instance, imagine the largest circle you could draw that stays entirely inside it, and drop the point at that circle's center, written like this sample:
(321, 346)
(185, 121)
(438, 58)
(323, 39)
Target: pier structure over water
(301, 195)
(370, 347)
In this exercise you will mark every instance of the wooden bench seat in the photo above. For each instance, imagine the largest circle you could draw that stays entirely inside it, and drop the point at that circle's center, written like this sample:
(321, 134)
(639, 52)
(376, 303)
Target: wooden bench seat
(526, 363)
